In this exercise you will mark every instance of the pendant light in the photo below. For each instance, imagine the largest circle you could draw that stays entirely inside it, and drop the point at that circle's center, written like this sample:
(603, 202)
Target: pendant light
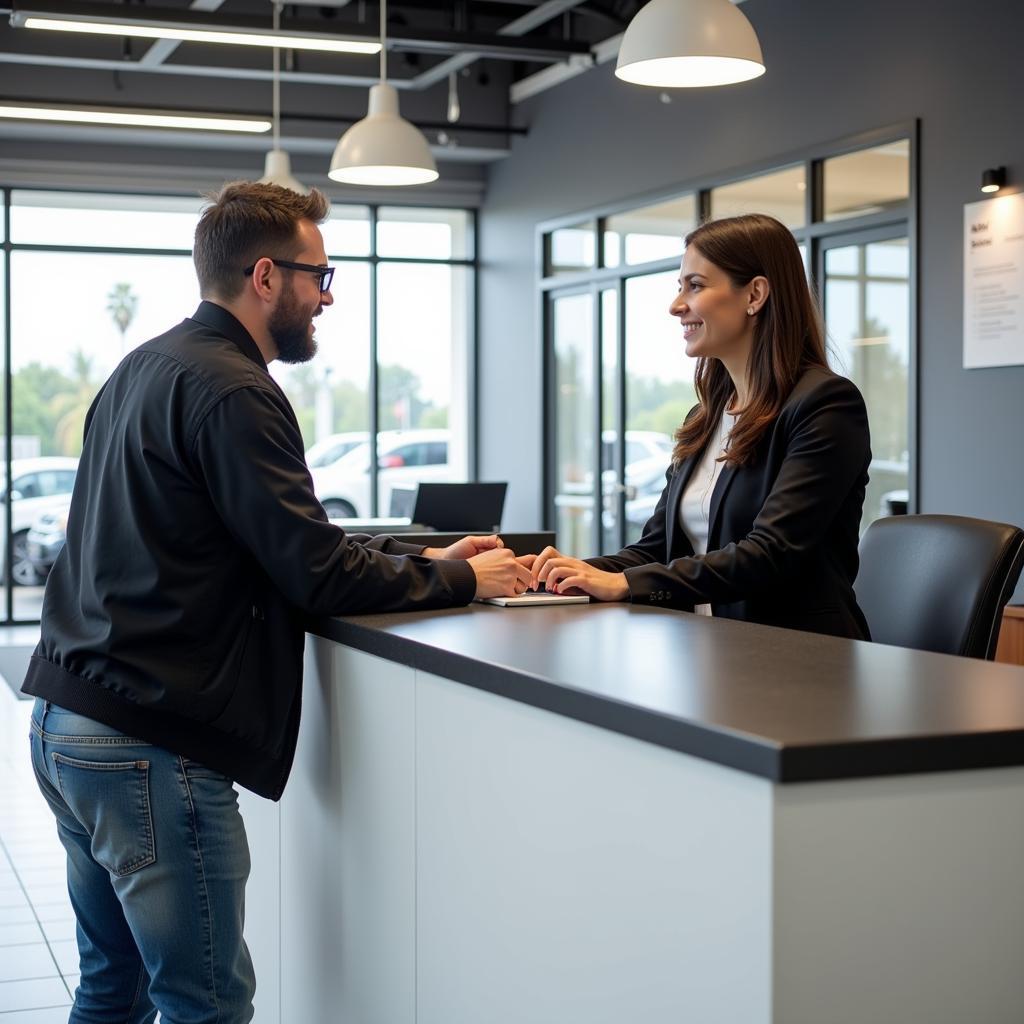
(278, 167)
(688, 44)
(383, 148)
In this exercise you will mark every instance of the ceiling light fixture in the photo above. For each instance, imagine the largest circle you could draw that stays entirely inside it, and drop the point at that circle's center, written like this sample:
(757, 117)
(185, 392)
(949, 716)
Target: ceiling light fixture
(146, 28)
(454, 111)
(277, 170)
(133, 118)
(680, 44)
(383, 148)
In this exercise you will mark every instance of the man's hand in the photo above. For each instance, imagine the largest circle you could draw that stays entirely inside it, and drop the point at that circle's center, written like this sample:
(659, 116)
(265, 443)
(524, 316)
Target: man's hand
(499, 574)
(563, 575)
(466, 548)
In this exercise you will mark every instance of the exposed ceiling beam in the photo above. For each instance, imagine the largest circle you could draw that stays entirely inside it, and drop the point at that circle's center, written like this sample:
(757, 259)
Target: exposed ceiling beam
(197, 71)
(526, 23)
(65, 133)
(163, 48)
(554, 75)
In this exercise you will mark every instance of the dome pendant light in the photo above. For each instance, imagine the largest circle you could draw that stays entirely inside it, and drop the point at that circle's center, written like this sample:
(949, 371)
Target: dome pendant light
(278, 168)
(689, 44)
(383, 148)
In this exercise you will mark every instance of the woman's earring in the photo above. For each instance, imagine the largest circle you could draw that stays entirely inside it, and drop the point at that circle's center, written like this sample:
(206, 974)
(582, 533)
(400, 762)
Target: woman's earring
(750, 310)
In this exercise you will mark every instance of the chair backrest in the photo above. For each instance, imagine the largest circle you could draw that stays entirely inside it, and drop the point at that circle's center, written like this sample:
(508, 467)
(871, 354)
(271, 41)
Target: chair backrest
(938, 583)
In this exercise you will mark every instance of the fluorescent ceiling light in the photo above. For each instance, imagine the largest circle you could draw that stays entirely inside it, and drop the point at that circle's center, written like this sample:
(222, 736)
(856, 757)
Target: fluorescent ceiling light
(141, 29)
(135, 118)
(685, 44)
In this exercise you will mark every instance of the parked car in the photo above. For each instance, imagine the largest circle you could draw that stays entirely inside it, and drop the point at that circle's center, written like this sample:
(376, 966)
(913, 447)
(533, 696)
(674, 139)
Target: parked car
(38, 486)
(640, 445)
(45, 539)
(404, 458)
(331, 448)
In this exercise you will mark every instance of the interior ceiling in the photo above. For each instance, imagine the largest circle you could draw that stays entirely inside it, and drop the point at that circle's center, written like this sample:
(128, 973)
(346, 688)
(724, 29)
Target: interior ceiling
(499, 50)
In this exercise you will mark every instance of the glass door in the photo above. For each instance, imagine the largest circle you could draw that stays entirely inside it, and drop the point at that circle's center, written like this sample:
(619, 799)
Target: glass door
(866, 286)
(574, 416)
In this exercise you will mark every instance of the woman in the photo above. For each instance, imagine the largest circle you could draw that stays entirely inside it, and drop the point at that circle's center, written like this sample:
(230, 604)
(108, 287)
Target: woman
(759, 519)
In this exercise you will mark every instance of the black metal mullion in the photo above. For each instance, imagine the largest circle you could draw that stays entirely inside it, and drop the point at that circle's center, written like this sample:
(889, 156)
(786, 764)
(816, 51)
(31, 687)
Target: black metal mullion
(373, 391)
(8, 416)
(98, 250)
(620, 408)
(913, 367)
(597, 520)
(473, 364)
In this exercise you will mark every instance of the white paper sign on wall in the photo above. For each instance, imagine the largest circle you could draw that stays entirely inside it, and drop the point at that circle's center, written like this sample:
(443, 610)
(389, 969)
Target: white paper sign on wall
(994, 282)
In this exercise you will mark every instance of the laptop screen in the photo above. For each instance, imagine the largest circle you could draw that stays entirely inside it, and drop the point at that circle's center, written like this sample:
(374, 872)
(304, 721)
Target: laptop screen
(454, 508)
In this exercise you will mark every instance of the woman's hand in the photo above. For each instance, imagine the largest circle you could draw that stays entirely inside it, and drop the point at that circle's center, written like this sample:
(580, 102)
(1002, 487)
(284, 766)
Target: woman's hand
(563, 575)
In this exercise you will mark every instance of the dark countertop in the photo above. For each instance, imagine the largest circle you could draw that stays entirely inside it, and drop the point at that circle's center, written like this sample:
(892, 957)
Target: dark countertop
(788, 706)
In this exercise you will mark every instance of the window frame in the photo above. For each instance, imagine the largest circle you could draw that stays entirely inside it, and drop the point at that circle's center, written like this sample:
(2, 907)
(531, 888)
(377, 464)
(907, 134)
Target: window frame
(374, 261)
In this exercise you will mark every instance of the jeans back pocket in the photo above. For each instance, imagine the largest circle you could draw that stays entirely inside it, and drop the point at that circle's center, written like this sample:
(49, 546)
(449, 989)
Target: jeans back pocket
(111, 801)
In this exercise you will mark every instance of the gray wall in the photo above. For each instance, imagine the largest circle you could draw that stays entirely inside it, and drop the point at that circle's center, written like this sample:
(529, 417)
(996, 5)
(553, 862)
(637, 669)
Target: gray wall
(834, 69)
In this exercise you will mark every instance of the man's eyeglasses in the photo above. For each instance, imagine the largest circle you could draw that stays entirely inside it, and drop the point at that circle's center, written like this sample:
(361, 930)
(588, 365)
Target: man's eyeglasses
(326, 274)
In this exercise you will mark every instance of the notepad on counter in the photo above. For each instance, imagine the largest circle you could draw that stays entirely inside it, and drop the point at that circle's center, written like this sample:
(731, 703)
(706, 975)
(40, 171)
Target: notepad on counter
(532, 599)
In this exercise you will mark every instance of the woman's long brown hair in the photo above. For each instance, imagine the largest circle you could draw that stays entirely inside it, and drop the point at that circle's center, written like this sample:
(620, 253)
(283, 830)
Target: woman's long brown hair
(788, 334)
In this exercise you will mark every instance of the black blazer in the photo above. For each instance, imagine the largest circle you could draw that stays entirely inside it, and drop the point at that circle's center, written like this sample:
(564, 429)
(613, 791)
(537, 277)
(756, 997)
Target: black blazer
(783, 530)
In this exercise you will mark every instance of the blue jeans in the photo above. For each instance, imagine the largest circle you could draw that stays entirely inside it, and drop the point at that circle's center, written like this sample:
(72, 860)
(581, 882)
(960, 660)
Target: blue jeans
(157, 866)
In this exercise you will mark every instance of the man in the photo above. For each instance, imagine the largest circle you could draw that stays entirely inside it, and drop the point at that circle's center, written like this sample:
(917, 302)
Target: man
(171, 652)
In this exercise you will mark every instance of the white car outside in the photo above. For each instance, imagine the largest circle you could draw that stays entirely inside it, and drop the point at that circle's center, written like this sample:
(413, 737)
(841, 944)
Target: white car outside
(39, 486)
(331, 448)
(404, 457)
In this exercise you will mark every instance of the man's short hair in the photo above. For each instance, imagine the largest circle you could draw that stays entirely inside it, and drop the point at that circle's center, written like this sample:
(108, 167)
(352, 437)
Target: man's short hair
(245, 221)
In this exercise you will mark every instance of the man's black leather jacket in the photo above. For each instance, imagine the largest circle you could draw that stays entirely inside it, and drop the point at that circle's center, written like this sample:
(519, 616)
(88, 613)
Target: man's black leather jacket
(195, 545)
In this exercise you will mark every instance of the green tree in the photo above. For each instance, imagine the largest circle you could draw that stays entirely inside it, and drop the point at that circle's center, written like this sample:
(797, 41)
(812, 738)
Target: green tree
(36, 389)
(655, 404)
(122, 305)
(71, 406)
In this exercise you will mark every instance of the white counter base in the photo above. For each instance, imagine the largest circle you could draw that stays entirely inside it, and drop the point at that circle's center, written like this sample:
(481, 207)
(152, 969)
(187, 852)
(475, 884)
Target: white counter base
(446, 856)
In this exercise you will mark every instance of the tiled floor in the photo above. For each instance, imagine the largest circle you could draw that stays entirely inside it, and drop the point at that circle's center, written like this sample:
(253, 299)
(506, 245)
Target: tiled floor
(38, 954)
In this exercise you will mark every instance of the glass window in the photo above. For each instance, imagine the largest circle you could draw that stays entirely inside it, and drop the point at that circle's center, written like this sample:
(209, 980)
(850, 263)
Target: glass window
(611, 484)
(330, 395)
(659, 392)
(347, 231)
(572, 249)
(780, 194)
(425, 233)
(57, 367)
(649, 233)
(868, 181)
(422, 349)
(573, 338)
(121, 300)
(110, 221)
(868, 322)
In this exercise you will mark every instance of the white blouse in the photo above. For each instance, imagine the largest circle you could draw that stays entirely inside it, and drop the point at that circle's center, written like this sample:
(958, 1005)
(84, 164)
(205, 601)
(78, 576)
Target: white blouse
(695, 504)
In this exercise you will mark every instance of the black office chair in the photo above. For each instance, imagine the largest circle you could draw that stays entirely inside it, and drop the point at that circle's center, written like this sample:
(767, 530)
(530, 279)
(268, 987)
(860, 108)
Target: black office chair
(938, 583)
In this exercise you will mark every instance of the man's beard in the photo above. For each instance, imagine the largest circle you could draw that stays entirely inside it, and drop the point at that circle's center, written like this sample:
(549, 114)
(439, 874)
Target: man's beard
(289, 329)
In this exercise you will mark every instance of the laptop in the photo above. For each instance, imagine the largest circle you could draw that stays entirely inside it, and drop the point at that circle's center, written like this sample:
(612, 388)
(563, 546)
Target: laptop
(460, 508)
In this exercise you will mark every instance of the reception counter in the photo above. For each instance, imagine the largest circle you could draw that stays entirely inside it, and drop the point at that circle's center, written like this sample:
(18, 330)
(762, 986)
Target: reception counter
(610, 813)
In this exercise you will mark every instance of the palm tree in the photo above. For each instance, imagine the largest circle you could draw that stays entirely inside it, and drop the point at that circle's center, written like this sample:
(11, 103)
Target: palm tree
(121, 305)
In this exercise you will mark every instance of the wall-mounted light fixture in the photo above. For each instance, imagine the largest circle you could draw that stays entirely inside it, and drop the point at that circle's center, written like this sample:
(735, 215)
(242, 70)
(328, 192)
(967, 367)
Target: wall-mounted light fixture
(176, 25)
(133, 118)
(993, 179)
(689, 44)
